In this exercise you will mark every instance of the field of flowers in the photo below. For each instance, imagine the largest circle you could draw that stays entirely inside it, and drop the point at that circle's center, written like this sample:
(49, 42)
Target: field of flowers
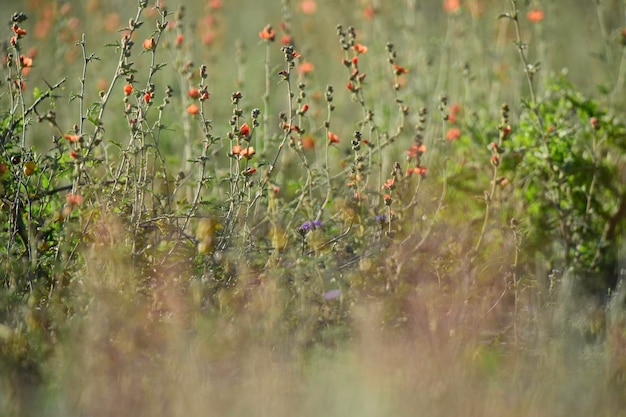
(313, 207)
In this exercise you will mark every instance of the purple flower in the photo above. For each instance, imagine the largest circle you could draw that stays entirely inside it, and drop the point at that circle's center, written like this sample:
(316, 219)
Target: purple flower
(308, 225)
(331, 295)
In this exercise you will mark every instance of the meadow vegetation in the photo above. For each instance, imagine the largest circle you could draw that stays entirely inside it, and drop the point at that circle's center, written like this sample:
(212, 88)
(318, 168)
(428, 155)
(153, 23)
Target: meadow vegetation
(313, 207)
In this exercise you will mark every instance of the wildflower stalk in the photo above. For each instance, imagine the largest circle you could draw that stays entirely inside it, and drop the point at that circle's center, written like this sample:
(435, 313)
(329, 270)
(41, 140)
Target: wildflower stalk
(266, 98)
(286, 77)
(496, 149)
(122, 68)
(329, 109)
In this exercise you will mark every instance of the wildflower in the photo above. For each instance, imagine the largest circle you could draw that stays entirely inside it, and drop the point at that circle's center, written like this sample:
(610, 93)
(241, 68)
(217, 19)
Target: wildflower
(495, 160)
(19, 31)
(128, 89)
(248, 172)
(72, 138)
(421, 171)
(193, 109)
(451, 6)
(387, 199)
(535, 15)
(147, 98)
(309, 225)
(179, 40)
(73, 199)
(332, 138)
(306, 67)
(286, 40)
(399, 70)
(303, 109)
(25, 61)
(208, 38)
(595, 123)
(359, 48)
(244, 130)
(73, 154)
(149, 44)
(267, 33)
(247, 153)
(331, 295)
(453, 134)
(111, 22)
(416, 150)
(389, 184)
(369, 12)
(502, 181)
(308, 6)
(215, 4)
(193, 93)
(308, 142)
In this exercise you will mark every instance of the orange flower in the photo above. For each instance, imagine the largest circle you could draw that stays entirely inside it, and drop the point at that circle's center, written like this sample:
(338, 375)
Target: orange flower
(267, 33)
(535, 15)
(360, 48)
(147, 98)
(416, 150)
(453, 134)
(25, 61)
(193, 93)
(208, 38)
(149, 43)
(19, 31)
(215, 4)
(26, 64)
(306, 67)
(308, 6)
(399, 70)
(332, 138)
(389, 183)
(244, 130)
(369, 12)
(247, 152)
(248, 172)
(111, 22)
(236, 150)
(73, 199)
(72, 138)
(193, 109)
(451, 6)
(286, 40)
(179, 39)
(308, 142)
(128, 89)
